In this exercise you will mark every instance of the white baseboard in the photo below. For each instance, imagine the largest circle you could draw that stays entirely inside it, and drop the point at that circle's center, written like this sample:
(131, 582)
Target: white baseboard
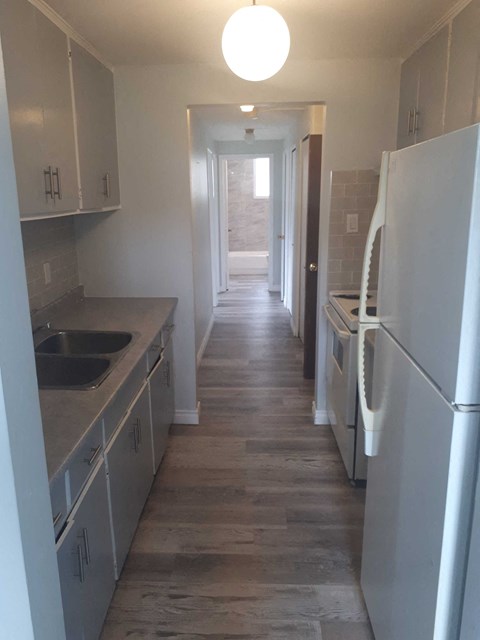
(205, 340)
(187, 417)
(320, 416)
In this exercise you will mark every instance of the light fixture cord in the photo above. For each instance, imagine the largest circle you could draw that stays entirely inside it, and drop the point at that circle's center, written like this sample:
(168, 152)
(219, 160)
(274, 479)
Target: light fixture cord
(254, 2)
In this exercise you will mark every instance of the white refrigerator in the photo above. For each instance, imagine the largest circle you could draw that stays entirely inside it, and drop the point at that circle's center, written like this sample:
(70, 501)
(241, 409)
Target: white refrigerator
(422, 533)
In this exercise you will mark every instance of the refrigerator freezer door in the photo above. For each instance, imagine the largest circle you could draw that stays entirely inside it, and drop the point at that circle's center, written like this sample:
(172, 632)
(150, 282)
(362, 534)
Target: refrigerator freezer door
(419, 493)
(429, 293)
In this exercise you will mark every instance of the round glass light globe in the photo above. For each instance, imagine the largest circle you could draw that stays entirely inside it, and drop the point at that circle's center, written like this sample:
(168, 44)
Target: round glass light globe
(256, 42)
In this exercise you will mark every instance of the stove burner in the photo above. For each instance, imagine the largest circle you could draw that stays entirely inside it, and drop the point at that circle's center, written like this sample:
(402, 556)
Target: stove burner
(349, 296)
(371, 311)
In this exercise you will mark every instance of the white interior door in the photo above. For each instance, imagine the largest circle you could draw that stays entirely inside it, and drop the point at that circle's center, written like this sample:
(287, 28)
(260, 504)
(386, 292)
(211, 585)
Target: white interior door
(290, 228)
(213, 192)
(303, 236)
(223, 225)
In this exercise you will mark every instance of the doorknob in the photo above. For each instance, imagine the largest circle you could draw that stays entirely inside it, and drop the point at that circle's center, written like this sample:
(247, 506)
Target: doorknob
(313, 267)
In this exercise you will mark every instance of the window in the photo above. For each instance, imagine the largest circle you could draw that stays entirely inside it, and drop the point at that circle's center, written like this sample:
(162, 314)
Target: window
(261, 170)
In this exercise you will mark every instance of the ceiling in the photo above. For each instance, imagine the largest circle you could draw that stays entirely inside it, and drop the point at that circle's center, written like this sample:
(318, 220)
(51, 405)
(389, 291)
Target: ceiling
(228, 123)
(151, 32)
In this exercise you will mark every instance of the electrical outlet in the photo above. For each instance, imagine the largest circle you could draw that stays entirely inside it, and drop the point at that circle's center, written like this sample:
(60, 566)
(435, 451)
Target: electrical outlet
(47, 272)
(352, 222)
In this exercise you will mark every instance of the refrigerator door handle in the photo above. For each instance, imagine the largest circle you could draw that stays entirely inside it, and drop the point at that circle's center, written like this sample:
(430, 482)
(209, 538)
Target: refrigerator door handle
(378, 221)
(371, 431)
(367, 322)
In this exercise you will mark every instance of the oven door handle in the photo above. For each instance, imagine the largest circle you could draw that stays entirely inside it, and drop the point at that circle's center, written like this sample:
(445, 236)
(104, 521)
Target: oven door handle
(338, 330)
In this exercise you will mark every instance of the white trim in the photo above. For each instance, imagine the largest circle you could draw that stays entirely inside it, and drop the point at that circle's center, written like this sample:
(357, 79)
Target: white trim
(187, 416)
(206, 337)
(320, 416)
(62, 24)
(438, 25)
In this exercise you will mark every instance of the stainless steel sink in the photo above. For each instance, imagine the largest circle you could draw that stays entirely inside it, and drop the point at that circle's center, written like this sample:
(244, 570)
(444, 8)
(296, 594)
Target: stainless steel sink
(84, 342)
(71, 372)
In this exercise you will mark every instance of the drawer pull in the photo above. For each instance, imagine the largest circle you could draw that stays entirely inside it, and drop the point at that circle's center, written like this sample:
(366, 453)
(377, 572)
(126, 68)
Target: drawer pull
(57, 518)
(86, 545)
(93, 457)
(81, 568)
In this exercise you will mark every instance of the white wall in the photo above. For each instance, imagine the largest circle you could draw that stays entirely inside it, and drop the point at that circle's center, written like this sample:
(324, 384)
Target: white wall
(30, 601)
(147, 248)
(202, 257)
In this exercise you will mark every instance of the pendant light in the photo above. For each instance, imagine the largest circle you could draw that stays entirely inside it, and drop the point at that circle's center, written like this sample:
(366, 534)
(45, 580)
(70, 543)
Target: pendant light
(256, 42)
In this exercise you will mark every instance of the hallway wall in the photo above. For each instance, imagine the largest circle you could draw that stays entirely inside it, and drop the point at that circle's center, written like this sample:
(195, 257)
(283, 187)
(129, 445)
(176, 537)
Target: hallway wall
(146, 248)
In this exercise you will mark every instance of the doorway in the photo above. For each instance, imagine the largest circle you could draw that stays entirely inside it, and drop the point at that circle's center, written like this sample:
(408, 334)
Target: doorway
(246, 211)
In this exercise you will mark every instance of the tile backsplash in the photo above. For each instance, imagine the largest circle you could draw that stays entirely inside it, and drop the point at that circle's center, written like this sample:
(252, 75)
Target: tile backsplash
(51, 241)
(353, 192)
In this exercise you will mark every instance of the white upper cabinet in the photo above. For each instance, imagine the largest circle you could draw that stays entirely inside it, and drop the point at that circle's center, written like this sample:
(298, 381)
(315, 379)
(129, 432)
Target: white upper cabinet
(408, 109)
(461, 107)
(433, 57)
(422, 92)
(41, 113)
(96, 130)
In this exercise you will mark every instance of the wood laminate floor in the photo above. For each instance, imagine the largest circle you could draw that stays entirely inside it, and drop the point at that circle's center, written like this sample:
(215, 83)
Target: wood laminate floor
(251, 531)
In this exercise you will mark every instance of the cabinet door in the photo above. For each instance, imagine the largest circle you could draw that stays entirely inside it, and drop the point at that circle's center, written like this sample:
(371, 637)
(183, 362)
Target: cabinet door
(408, 102)
(463, 68)
(85, 561)
(40, 107)
(162, 403)
(431, 94)
(58, 134)
(129, 458)
(23, 75)
(96, 129)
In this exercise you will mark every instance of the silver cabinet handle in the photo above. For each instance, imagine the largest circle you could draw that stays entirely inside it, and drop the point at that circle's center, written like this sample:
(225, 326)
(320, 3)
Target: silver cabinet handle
(416, 120)
(81, 568)
(93, 457)
(58, 191)
(86, 545)
(107, 189)
(410, 122)
(47, 176)
(57, 518)
(135, 440)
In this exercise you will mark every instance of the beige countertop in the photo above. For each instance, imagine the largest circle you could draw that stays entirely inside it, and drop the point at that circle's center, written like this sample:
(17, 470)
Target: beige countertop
(69, 415)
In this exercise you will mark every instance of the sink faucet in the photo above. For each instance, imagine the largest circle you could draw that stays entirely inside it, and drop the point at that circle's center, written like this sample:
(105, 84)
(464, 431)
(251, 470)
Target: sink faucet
(40, 327)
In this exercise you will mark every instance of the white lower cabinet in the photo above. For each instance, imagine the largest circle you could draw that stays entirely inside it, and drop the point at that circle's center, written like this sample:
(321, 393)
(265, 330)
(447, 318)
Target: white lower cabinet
(85, 561)
(162, 402)
(130, 476)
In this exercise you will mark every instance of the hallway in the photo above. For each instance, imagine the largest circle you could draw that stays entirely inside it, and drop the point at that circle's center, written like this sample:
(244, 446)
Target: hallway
(251, 531)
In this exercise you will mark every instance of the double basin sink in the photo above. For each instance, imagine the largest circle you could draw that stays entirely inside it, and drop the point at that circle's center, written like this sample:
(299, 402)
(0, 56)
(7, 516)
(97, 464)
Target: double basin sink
(78, 359)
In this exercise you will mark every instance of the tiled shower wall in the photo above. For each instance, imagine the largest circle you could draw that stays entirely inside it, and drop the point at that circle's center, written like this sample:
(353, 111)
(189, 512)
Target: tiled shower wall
(50, 241)
(247, 215)
(352, 192)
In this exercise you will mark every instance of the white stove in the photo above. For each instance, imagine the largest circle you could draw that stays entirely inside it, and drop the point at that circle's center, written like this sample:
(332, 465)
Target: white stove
(346, 304)
(342, 397)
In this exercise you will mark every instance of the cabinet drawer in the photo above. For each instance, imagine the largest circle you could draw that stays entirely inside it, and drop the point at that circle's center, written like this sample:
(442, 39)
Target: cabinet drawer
(58, 498)
(86, 456)
(124, 398)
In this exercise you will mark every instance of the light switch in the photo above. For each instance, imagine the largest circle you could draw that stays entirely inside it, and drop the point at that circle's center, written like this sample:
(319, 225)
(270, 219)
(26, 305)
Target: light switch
(352, 222)
(47, 272)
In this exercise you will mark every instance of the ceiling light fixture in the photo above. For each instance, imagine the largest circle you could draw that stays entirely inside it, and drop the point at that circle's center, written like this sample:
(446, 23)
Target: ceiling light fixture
(249, 136)
(256, 42)
(247, 108)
